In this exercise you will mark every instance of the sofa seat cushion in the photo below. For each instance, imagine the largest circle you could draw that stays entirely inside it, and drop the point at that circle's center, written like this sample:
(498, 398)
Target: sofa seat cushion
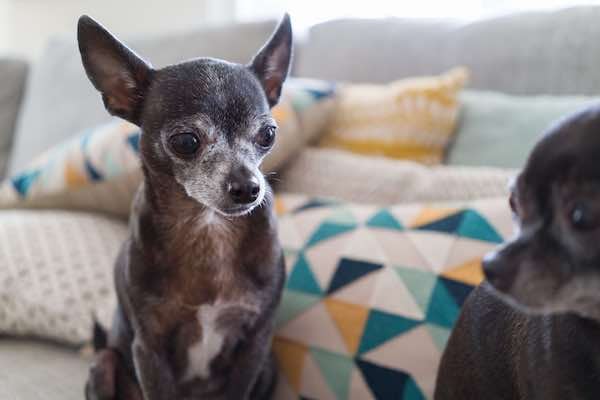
(34, 370)
(376, 180)
(372, 291)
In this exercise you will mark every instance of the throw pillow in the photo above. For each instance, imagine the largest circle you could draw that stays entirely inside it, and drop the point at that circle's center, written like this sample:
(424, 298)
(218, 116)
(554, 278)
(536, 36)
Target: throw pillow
(98, 170)
(499, 130)
(411, 118)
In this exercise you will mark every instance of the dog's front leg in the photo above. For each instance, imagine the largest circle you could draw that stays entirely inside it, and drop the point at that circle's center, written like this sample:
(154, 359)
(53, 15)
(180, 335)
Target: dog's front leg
(153, 372)
(251, 359)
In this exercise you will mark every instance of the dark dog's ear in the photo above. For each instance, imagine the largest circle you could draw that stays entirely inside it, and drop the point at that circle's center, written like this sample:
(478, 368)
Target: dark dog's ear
(117, 72)
(272, 62)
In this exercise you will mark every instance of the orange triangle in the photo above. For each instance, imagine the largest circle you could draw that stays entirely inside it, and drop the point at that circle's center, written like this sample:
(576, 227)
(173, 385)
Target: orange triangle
(428, 215)
(281, 112)
(350, 319)
(290, 358)
(469, 272)
(280, 208)
(73, 177)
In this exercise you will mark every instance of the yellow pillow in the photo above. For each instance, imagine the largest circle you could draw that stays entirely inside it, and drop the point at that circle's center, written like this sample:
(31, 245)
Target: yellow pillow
(411, 118)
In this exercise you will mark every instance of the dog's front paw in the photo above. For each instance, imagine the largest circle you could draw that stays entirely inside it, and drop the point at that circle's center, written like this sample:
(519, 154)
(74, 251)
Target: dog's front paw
(101, 380)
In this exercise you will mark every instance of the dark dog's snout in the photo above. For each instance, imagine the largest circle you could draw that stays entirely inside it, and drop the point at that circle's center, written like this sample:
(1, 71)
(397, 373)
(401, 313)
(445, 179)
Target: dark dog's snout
(491, 267)
(500, 266)
(243, 187)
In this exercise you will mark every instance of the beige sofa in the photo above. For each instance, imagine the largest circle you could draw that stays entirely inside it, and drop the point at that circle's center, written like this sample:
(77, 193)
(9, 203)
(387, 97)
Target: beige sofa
(538, 53)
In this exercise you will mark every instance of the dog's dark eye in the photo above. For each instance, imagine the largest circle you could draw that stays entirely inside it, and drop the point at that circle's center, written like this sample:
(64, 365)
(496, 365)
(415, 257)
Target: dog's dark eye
(185, 143)
(266, 137)
(581, 217)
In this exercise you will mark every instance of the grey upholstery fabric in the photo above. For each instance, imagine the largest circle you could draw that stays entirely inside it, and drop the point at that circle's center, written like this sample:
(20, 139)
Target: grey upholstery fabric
(31, 370)
(530, 53)
(13, 74)
(60, 101)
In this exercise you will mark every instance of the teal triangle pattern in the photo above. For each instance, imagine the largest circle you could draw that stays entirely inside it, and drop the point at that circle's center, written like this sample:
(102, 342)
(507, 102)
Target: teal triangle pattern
(419, 283)
(439, 335)
(336, 369)
(327, 230)
(443, 309)
(412, 391)
(381, 327)
(474, 226)
(21, 183)
(133, 140)
(384, 219)
(449, 224)
(342, 216)
(302, 279)
(293, 304)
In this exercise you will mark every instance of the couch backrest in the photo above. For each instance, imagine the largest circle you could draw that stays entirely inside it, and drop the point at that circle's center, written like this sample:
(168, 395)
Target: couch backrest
(13, 73)
(60, 101)
(530, 53)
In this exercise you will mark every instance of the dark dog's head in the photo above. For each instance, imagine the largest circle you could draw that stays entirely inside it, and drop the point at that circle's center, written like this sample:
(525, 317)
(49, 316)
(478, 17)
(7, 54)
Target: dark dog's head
(206, 123)
(553, 262)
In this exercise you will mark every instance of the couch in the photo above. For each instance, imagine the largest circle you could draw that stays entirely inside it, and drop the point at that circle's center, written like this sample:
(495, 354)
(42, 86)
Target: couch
(539, 53)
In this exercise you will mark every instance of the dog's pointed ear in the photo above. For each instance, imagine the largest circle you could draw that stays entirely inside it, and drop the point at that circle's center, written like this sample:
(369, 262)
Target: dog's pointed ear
(272, 63)
(117, 72)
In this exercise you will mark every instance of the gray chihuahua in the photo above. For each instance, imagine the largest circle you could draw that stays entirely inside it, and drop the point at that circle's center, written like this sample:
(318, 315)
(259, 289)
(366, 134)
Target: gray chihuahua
(532, 330)
(201, 275)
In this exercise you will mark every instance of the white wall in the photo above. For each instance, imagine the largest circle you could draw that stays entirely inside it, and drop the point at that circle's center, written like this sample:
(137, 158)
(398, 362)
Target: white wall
(25, 25)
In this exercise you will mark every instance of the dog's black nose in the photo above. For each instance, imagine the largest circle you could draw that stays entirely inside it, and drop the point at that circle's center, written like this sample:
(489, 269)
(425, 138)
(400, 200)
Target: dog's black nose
(244, 191)
(490, 269)
(496, 271)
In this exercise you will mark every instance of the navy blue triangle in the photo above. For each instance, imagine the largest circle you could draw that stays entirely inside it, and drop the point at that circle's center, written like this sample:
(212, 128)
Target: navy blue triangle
(22, 182)
(134, 141)
(385, 383)
(315, 203)
(319, 94)
(458, 290)
(348, 271)
(449, 224)
(92, 172)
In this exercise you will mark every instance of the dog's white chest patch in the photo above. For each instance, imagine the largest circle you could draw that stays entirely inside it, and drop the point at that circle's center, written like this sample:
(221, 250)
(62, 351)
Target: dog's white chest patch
(201, 353)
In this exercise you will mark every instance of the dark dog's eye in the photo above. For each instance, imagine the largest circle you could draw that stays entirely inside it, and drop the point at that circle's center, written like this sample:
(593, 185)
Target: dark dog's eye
(266, 137)
(185, 144)
(582, 218)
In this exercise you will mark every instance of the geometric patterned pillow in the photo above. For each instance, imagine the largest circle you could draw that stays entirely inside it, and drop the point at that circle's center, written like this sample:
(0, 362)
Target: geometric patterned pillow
(372, 293)
(99, 170)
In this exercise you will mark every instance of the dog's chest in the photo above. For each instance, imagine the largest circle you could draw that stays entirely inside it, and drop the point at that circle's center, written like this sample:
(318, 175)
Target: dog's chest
(213, 331)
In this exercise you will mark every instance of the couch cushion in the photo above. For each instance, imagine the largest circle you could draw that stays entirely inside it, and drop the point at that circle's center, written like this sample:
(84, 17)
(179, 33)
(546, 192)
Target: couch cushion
(410, 119)
(32, 370)
(12, 75)
(528, 53)
(499, 130)
(376, 180)
(60, 101)
(371, 295)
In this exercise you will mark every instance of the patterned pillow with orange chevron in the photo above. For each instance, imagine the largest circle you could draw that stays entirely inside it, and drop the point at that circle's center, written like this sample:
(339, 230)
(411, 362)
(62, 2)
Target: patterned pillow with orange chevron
(372, 293)
(98, 170)
(411, 119)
